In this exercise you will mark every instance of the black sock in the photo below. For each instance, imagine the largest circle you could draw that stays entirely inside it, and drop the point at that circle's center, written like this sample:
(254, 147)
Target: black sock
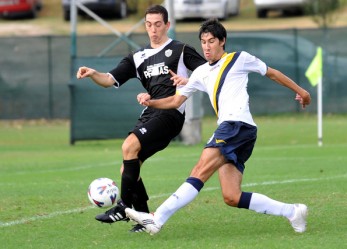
(140, 197)
(130, 175)
(245, 200)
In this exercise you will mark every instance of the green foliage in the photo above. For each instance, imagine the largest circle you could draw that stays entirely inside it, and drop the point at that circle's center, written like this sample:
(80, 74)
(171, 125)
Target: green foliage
(132, 5)
(324, 12)
(142, 5)
(44, 180)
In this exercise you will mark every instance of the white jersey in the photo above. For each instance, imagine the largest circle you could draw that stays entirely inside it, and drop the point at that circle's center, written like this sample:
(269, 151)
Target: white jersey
(225, 81)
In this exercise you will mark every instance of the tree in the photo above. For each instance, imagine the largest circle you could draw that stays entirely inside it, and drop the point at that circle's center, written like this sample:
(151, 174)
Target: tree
(142, 5)
(324, 12)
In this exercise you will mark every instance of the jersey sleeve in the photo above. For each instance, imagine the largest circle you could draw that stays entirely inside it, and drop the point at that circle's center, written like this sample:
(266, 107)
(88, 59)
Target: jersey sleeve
(191, 58)
(253, 64)
(124, 71)
(193, 85)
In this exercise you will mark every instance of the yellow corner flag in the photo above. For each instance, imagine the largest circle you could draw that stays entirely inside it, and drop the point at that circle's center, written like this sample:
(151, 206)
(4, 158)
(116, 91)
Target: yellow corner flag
(314, 72)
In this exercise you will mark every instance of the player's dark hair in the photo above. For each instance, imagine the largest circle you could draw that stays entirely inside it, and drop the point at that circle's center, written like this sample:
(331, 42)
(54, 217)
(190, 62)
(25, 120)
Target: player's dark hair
(158, 9)
(214, 27)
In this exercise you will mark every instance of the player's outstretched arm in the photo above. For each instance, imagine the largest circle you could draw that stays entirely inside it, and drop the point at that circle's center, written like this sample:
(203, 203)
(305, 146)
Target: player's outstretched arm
(102, 79)
(302, 95)
(171, 102)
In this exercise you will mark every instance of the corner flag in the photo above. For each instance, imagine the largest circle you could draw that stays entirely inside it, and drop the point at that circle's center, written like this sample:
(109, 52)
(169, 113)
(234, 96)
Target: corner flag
(314, 72)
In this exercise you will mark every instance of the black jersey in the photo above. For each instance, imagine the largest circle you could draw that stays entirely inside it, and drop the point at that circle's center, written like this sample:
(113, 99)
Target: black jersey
(151, 67)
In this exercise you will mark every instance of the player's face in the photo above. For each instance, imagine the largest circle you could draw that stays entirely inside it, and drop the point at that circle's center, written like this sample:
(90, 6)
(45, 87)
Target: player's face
(212, 47)
(156, 29)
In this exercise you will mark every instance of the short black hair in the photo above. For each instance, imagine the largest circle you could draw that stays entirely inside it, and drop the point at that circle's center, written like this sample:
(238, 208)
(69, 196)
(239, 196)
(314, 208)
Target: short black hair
(214, 27)
(158, 9)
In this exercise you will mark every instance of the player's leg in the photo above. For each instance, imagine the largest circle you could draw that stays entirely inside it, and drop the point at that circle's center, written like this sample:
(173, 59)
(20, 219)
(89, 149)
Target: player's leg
(209, 162)
(131, 168)
(230, 179)
(140, 187)
(154, 135)
(133, 191)
(295, 213)
(130, 174)
(238, 149)
(151, 134)
(211, 159)
(140, 197)
(139, 202)
(146, 139)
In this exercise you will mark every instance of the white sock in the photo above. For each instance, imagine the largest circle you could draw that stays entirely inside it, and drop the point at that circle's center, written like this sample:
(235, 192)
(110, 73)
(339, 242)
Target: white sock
(265, 205)
(185, 194)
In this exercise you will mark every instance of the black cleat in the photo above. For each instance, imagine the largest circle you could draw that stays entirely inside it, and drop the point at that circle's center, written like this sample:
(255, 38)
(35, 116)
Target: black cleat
(137, 229)
(117, 213)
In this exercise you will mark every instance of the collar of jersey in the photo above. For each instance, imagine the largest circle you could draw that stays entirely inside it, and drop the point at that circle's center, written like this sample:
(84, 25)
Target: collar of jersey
(214, 63)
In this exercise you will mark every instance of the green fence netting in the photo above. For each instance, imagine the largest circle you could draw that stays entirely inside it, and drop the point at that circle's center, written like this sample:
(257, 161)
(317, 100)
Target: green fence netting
(102, 113)
(36, 72)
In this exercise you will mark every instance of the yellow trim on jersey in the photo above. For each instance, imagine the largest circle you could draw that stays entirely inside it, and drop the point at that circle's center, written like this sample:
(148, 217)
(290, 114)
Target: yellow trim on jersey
(217, 83)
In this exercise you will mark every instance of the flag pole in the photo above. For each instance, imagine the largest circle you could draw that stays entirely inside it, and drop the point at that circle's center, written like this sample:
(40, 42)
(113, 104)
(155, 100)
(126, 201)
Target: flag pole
(314, 74)
(320, 112)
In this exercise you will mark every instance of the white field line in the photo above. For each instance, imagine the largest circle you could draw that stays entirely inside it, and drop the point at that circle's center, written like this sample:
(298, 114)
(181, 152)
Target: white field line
(117, 164)
(295, 146)
(77, 210)
(77, 168)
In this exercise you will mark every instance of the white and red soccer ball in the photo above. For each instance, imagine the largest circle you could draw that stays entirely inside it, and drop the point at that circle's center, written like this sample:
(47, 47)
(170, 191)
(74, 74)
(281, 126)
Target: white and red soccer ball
(103, 192)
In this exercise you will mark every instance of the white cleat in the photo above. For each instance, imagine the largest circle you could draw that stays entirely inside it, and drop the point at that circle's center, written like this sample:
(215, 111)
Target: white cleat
(144, 219)
(298, 221)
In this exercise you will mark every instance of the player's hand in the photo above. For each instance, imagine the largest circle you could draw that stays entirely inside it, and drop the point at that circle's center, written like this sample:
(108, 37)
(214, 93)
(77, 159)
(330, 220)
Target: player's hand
(143, 99)
(303, 98)
(84, 72)
(178, 80)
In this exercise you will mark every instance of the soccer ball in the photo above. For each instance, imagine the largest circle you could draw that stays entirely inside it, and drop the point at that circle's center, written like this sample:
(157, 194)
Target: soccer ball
(103, 192)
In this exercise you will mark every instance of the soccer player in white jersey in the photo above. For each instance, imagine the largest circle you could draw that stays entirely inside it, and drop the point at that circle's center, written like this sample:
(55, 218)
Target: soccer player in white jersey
(155, 128)
(224, 78)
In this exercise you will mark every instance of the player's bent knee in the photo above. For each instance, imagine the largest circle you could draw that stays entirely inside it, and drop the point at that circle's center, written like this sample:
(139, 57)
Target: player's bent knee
(230, 201)
(131, 148)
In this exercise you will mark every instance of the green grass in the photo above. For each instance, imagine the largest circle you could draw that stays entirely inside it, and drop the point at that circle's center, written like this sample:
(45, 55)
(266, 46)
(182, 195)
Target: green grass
(44, 204)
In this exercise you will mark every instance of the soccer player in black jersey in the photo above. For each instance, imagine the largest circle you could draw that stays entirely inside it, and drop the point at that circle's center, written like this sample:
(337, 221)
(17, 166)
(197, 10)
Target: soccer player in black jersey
(155, 128)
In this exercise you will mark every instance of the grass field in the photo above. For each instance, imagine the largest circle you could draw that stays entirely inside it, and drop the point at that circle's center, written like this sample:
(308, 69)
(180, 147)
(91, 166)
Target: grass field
(44, 180)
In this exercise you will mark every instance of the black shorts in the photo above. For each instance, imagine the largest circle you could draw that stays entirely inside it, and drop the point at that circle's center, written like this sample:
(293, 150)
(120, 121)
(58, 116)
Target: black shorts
(155, 129)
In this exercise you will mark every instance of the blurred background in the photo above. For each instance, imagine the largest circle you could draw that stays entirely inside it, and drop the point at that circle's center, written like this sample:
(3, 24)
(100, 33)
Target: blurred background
(41, 49)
